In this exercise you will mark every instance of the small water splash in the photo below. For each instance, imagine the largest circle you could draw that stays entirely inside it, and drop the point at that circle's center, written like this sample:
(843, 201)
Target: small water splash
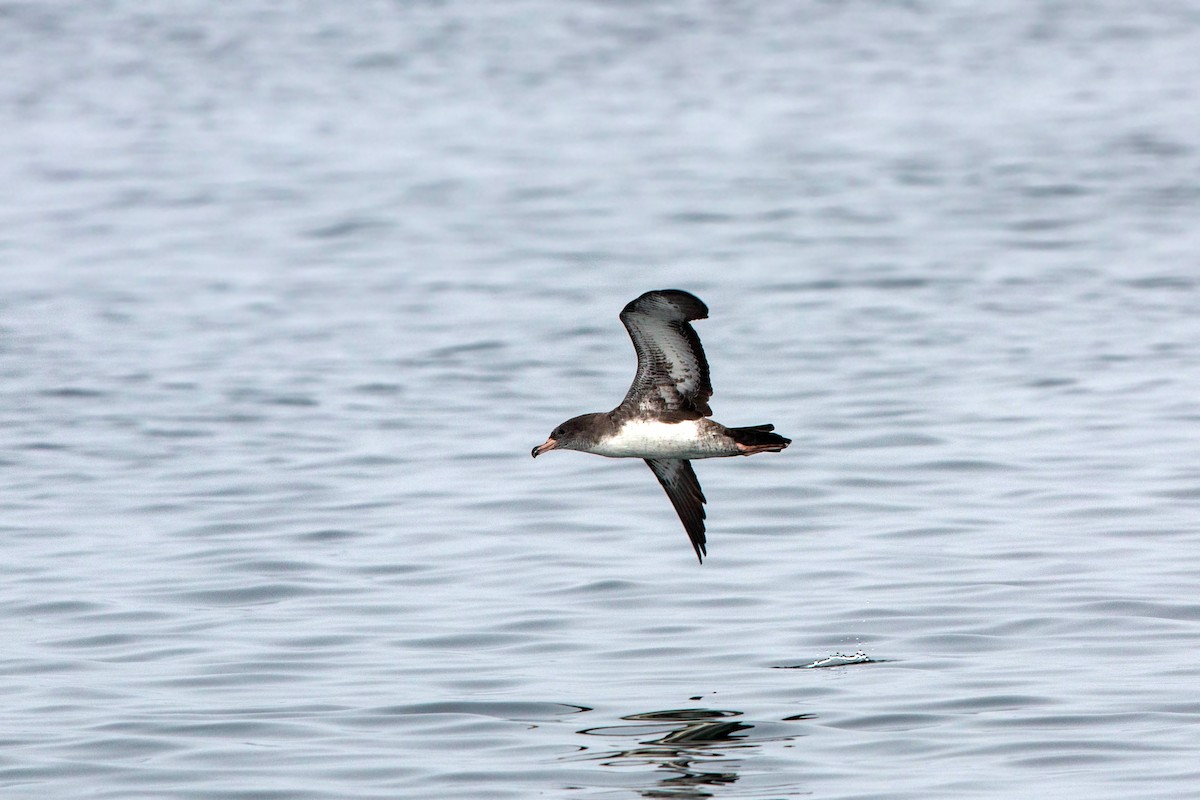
(835, 660)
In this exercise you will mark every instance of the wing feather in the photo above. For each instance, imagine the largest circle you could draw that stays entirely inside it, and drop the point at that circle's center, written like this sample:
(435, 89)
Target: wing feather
(672, 373)
(679, 480)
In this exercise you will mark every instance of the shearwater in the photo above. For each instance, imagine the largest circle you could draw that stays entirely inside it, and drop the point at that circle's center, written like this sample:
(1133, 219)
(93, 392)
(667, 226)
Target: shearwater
(664, 418)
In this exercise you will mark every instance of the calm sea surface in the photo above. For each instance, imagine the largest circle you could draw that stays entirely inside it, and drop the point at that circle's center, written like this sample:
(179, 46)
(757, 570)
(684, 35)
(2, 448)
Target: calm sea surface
(289, 290)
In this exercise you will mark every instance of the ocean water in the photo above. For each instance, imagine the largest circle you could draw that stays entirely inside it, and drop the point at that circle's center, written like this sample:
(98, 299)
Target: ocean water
(289, 291)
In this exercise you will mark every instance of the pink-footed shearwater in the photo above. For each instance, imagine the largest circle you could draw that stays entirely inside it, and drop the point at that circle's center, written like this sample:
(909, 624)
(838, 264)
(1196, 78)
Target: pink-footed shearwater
(663, 418)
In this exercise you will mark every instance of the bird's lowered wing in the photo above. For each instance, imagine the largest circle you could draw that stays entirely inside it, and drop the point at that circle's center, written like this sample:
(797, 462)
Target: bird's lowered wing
(679, 480)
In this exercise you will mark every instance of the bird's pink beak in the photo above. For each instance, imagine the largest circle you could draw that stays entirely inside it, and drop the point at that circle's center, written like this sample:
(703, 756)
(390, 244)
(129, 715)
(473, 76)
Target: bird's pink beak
(549, 444)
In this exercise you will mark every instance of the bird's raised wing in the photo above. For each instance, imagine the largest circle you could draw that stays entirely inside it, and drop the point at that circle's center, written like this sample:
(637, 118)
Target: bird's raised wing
(678, 478)
(672, 373)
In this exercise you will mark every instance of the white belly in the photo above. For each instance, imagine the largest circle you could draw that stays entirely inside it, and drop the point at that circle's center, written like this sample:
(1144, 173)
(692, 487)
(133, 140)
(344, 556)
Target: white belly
(650, 439)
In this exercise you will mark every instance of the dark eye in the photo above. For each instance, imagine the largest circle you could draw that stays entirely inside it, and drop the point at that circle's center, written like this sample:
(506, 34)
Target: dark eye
(558, 432)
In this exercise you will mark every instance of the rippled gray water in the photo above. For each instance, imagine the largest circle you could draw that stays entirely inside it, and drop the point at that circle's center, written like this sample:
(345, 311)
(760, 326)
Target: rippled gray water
(290, 290)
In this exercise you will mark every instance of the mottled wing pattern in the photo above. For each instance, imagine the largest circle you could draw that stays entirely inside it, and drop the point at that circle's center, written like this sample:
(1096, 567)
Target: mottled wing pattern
(672, 373)
(679, 480)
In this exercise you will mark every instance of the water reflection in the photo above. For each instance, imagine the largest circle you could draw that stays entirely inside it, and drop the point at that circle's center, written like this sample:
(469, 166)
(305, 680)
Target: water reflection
(693, 750)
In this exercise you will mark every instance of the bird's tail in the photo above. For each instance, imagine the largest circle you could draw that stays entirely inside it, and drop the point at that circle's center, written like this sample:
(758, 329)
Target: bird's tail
(758, 439)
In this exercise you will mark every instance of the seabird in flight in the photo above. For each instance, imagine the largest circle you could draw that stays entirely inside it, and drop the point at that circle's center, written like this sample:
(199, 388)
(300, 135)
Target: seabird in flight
(664, 418)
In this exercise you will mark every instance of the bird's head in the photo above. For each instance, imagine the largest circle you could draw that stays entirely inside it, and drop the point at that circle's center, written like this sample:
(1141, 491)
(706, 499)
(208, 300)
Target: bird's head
(577, 433)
